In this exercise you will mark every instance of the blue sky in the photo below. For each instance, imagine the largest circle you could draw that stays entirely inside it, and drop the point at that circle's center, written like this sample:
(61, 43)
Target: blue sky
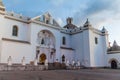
(100, 12)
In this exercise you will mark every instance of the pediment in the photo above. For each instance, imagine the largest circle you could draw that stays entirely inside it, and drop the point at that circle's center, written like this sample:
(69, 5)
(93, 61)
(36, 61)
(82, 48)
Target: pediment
(46, 18)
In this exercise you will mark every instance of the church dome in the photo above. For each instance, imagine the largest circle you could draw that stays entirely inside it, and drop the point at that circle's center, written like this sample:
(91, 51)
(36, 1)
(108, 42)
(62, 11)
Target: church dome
(69, 24)
(115, 47)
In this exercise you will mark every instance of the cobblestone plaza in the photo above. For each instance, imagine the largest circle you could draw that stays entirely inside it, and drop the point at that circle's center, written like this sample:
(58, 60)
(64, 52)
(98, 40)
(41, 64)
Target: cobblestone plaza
(83, 74)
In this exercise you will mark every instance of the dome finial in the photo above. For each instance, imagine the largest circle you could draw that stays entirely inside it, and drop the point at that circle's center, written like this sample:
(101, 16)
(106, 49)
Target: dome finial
(104, 30)
(1, 3)
(87, 20)
(2, 8)
(115, 43)
(87, 23)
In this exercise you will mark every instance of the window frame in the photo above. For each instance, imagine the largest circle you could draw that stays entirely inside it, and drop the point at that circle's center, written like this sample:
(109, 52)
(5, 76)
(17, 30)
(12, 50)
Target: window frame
(15, 30)
(96, 40)
(64, 40)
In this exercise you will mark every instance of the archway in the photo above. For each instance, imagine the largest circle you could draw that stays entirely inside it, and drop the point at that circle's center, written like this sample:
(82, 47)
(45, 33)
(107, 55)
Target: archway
(113, 64)
(46, 38)
(63, 58)
(42, 58)
(46, 44)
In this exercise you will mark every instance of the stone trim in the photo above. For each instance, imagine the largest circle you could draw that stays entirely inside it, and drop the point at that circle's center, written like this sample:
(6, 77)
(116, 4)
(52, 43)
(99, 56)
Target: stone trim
(13, 40)
(82, 29)
(46, 25)
(113, 52)
(66, 48)
(16, 19)
(2, 12)
(19, 67)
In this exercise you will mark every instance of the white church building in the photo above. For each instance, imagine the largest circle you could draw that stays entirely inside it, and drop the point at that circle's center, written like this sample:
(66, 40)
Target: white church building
(41, 37)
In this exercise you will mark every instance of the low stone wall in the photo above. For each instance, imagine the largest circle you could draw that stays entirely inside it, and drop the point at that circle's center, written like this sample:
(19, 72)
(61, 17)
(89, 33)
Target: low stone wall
(5, 67)
(56, 65)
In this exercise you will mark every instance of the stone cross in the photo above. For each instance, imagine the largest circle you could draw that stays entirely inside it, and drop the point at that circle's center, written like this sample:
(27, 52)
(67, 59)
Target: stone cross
(46, 64)
(23, 61)
(35, 62)
(67, 63)
(73, 63)
(9, 60)
(78, 63)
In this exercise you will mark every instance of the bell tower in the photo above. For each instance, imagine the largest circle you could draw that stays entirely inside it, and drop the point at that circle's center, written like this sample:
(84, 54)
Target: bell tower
(2, 8)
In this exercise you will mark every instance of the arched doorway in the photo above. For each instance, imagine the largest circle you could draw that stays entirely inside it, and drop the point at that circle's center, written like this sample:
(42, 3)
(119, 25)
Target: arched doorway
(42, 58)
(46, 43)
(63, 58)
(113, 64)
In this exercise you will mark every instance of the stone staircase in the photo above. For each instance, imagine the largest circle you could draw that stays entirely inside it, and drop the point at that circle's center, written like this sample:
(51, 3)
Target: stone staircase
(56, 65)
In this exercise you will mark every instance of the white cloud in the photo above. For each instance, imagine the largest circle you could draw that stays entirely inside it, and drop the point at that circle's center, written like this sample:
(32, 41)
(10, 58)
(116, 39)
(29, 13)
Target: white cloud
(99, 11)
(60, 22)
(57, 2)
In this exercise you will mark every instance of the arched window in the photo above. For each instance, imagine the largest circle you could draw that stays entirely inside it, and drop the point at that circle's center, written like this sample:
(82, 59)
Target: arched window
(96, 40)
(15, 31)
(63, 40)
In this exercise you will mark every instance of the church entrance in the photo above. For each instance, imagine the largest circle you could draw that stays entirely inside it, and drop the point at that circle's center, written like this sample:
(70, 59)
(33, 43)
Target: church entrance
(113, 64)
(42, 58)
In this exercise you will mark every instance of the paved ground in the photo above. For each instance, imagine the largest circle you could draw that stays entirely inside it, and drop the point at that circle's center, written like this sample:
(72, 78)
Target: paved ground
(83, 74)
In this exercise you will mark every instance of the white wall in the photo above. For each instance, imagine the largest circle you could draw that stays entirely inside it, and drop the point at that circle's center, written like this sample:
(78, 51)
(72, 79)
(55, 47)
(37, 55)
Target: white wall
(17, 51)
(83, 43)
(68, 40)
(69, 55)
(77, 44)
(86, 39)
(115, 56)
(36, 28)
(97, 51)
(23, 30)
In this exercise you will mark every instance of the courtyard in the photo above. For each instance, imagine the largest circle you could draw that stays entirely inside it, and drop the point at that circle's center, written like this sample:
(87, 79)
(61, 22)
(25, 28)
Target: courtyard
(82, 74)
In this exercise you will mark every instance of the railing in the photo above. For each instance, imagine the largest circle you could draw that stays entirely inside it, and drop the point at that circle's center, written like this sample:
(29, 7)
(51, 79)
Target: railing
(5, 67)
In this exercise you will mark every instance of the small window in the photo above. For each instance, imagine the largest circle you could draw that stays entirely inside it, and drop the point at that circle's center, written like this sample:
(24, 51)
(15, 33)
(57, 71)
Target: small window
(63, 40)
(96, 40)
(15, 31)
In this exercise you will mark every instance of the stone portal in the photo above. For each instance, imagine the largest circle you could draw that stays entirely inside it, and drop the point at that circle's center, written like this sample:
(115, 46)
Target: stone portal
(42, 58)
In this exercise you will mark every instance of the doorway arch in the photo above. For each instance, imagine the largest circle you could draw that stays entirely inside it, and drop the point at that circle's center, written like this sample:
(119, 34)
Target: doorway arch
(63, 58)
(42, 58)
(113, 64)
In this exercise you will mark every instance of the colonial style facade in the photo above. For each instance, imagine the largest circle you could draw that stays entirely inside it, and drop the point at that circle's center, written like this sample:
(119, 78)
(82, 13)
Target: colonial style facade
(41, 38)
